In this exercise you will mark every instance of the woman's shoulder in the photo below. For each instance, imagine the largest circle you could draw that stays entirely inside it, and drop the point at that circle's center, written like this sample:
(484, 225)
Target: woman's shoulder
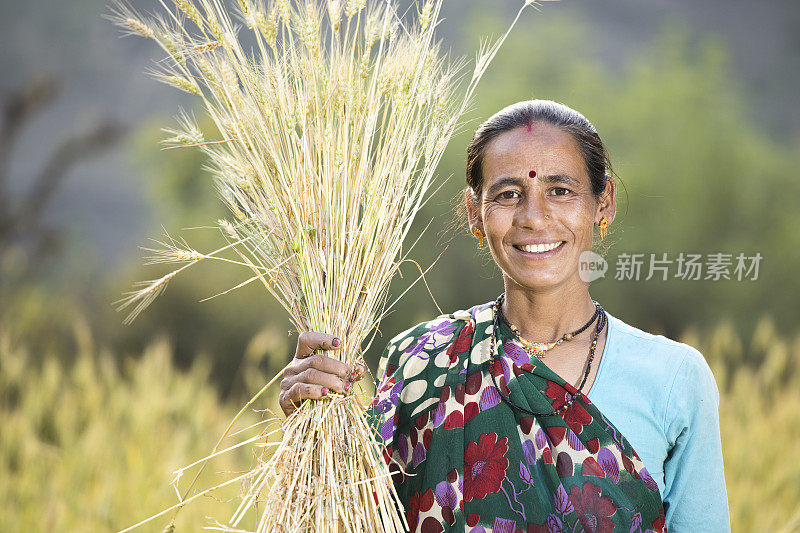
(642, 337)
(675, 368)
(423, 342)
(649, 347)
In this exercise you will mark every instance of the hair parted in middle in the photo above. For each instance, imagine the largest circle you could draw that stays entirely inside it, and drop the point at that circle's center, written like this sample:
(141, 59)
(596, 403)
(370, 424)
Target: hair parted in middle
(526, 113)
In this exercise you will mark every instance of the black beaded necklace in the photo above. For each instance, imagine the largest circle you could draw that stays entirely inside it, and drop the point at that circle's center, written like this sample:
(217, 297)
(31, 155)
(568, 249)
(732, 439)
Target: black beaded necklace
(497, 312)
(538, 349)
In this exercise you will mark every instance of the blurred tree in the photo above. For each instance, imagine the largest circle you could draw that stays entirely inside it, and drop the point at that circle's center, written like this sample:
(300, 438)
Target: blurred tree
(29, 244)
(22, 231)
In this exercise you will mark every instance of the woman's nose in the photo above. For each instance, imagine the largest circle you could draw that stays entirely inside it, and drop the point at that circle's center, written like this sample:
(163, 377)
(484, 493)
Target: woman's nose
(532, 211)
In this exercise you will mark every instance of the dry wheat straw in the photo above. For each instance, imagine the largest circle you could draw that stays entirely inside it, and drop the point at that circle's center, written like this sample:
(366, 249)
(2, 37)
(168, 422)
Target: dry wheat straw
(328, 137)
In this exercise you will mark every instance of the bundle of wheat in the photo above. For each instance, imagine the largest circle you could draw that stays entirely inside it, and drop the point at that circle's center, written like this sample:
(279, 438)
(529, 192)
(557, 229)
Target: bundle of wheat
(328, 138)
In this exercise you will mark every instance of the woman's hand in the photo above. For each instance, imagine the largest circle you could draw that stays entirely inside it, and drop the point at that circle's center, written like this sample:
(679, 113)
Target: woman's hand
(312, 375)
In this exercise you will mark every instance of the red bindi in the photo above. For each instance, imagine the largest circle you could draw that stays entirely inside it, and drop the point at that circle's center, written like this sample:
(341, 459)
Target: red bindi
(532, 174)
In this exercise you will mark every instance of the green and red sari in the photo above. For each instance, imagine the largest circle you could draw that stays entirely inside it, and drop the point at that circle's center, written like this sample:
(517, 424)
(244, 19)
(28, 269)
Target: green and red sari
(464, 460)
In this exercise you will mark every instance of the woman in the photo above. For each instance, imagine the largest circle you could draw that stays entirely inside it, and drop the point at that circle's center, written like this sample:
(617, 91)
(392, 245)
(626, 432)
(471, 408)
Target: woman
(539, 411)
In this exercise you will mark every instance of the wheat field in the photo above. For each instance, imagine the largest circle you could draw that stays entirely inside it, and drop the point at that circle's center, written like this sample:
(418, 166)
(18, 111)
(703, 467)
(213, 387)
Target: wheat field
(90, 445)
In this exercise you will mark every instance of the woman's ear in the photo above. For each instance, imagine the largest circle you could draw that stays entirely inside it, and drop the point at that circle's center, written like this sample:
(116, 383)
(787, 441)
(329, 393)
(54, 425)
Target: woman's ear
(472, 201)
(607, 203)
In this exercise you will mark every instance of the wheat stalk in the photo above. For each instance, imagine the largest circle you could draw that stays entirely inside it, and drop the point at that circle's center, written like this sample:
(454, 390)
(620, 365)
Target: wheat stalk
(327, 141)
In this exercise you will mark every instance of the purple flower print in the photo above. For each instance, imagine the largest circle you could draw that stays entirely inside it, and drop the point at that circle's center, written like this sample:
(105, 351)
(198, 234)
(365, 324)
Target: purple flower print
(445, 327)
(506, 370)
(648, 479)
(438, 414)
(489, 398)
(389, 398)
(554, 524)
(446, 495)
(608, 463)
(525, 474)
(387, 430)
(541, 439)
(636, 521)
(394, 394)
(415, 347)
(503, 525)
(402, 447)
(530, 453)
(574, 442)
(516, 353)
(384, 407)
(563, 505)
(428, 341)
(418, 455)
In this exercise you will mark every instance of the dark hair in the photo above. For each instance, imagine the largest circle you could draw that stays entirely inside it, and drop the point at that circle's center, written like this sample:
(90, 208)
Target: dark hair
(598, 164)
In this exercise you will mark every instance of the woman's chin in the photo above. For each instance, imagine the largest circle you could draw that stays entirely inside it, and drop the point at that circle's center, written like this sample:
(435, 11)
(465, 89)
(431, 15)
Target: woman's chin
(542, 281)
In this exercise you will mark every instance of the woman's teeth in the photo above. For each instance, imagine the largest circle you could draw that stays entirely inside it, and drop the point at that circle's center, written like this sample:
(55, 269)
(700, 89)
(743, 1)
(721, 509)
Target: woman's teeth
(538, 248)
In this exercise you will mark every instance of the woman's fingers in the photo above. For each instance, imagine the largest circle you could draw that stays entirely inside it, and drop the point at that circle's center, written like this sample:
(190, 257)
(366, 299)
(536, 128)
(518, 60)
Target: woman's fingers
(310, 341)
(360, 371)
(325, 379)
(291, 399)
(320, 362)
(312, 375)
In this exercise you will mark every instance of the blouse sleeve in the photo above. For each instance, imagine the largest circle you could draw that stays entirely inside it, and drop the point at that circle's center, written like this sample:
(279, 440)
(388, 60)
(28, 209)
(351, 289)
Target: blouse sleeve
(695, 497)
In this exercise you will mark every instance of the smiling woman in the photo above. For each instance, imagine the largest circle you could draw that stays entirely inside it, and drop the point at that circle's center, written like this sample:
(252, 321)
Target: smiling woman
(540, 411)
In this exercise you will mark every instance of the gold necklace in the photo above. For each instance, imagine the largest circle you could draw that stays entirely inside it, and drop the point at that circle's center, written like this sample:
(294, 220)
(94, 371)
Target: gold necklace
(570, 398)
(538, 349)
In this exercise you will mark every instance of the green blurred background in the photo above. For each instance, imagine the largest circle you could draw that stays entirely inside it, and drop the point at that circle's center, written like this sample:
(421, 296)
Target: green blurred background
(696, 102)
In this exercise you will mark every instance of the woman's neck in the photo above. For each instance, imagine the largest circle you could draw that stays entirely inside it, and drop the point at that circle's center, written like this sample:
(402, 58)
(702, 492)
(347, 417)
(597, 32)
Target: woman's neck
(547, 315)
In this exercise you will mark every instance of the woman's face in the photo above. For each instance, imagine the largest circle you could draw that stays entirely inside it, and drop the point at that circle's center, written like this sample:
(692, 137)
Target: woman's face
(528, 174)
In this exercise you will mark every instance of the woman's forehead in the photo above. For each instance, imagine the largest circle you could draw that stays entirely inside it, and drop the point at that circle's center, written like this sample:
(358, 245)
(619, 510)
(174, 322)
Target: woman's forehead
(542, 148)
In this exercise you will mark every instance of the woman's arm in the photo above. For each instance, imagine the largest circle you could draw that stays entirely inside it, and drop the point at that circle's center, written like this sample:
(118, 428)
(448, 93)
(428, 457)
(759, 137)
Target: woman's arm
(695, 496)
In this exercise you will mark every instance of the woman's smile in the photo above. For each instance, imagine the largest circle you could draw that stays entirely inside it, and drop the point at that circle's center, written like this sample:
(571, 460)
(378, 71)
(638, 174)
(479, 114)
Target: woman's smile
(540, 251)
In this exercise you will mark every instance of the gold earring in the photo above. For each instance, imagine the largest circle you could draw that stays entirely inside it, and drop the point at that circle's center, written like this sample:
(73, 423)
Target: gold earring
(603, 225)
(479, 236)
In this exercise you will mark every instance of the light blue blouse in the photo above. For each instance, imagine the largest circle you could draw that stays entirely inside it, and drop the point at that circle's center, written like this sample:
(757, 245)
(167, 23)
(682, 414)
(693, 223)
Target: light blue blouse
(662, 396)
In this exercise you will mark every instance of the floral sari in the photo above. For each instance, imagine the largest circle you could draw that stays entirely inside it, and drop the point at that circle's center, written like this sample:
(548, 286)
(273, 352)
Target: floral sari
(464, 460)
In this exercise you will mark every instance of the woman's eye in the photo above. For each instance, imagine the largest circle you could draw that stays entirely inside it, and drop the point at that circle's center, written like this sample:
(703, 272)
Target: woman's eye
(508, 195)
(560, 191)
